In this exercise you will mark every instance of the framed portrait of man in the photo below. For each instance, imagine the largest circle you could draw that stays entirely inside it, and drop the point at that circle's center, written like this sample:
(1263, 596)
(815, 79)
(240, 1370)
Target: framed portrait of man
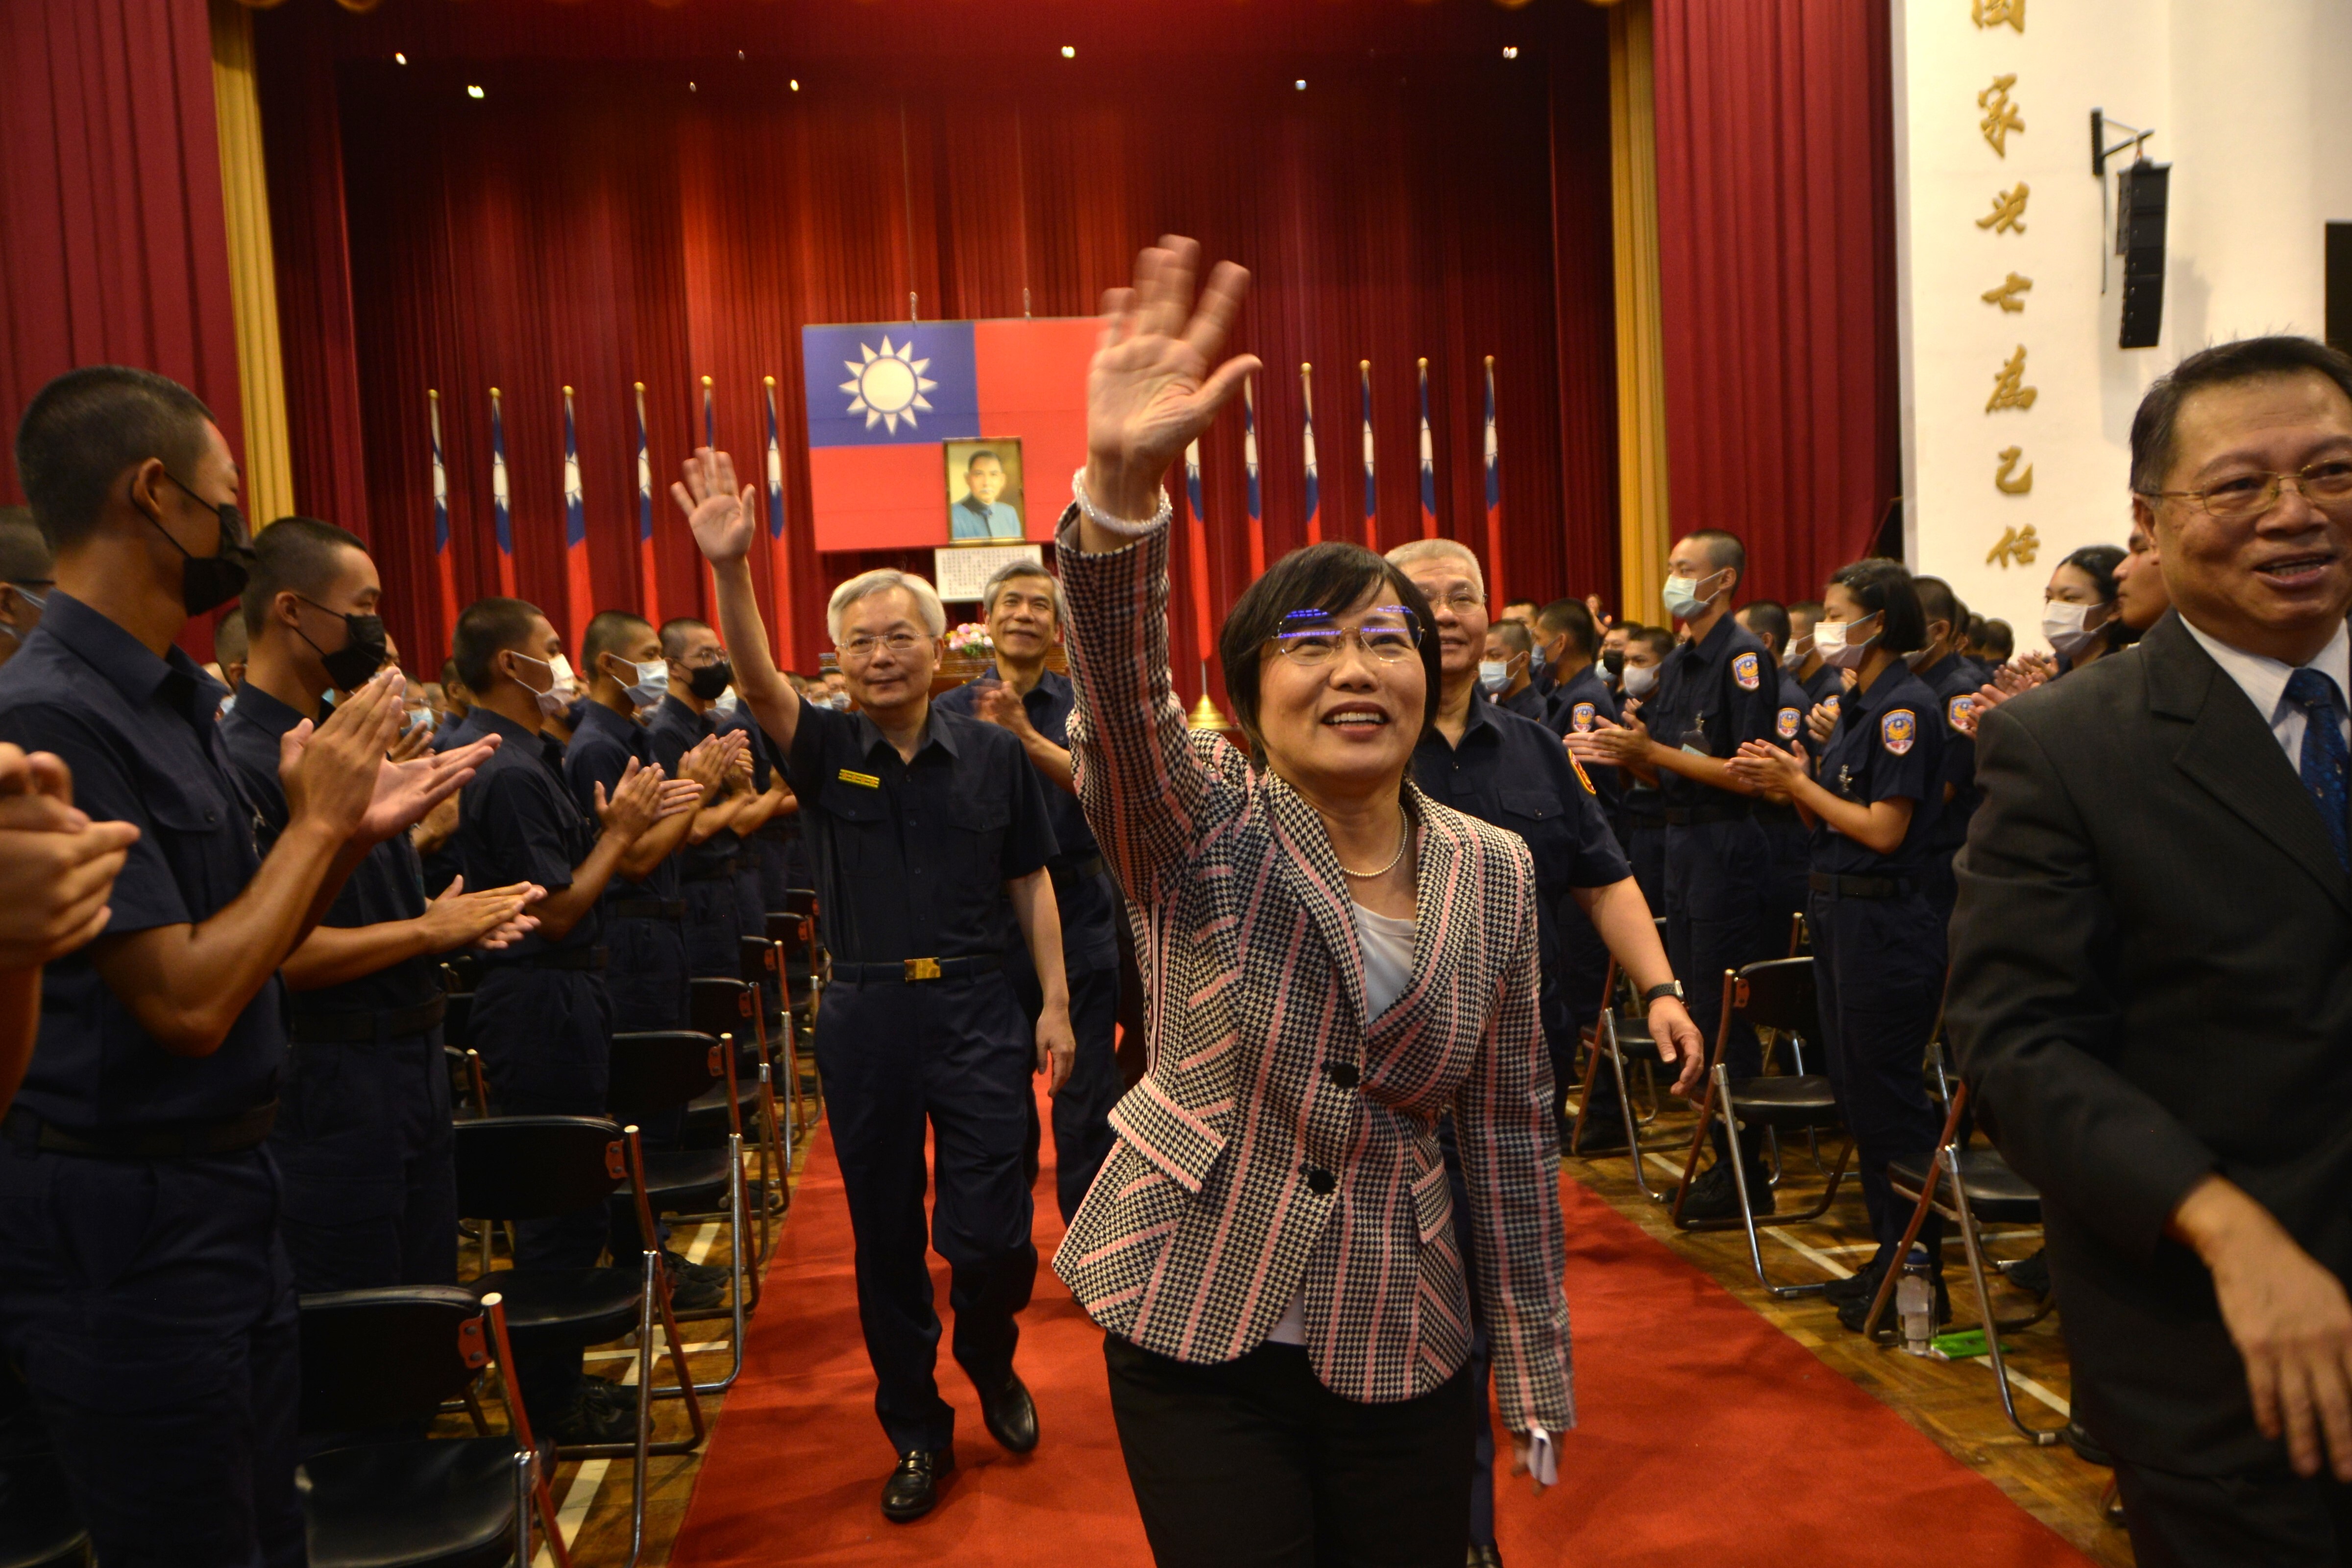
(984, 495)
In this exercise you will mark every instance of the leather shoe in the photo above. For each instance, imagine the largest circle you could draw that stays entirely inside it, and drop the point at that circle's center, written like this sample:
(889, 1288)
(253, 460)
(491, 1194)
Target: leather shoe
(1604, 1133)
(1486, 1557)
(1714, 1195)
(1011, 1415)
(913, 1488)
(1860, 1286)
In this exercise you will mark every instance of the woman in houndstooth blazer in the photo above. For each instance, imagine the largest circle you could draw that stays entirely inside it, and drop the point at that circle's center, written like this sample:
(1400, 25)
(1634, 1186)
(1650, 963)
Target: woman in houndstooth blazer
(1331, 962)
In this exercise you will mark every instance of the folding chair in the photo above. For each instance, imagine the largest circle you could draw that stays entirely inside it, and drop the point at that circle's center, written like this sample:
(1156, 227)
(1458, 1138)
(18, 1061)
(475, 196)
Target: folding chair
(1623, 1034)
(372, 1359)
(655, 1072)
(1778, 995)
(731, 1008)
(763, 966)
(1978, 1187)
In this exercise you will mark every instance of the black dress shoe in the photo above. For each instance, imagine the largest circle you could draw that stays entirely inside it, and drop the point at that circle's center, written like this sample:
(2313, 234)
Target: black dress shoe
(1486, 1557)
(1603, 1135)
(913, 1488)
(600, 1412)
(1715, 1196)
(2086, 1448)
(1854, 1312)
(1011, 1415)
(1860, 1286)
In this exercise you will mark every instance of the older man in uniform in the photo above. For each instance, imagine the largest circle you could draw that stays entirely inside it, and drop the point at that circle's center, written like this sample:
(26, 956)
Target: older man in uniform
(1024, 605)
(921, 823)
(143, 1292)
(1716, 693)
(369, 1192)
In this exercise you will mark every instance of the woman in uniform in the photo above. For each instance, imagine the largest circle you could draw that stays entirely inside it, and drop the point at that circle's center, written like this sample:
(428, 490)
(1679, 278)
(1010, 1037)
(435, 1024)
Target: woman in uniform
(1872, 802)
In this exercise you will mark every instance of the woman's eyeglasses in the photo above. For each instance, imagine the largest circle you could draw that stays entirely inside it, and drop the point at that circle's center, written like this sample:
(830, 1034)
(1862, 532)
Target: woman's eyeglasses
(1388, 636)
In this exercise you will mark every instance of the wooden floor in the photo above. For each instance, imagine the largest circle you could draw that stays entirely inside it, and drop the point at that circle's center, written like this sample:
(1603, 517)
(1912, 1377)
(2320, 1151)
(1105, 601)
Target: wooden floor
(1953, 1402)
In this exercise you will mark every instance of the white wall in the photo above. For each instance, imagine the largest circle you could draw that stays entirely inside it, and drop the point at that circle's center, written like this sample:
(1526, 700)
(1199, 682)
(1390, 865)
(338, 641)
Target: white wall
(2247, 103)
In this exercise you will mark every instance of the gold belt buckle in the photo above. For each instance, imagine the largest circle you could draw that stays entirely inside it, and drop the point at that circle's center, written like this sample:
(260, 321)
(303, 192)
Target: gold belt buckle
(922, 969)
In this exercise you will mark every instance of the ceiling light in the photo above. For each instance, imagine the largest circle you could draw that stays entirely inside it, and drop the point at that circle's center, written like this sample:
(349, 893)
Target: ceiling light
(796, 84)
(1069, 51)
(472, 91)
(1300, 84)
(398, 58)
(739, 54)
(690, 87)
(1510, 51)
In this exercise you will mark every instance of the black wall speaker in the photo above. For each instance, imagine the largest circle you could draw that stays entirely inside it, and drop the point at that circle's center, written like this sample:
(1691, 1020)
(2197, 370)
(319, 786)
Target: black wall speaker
(2339, 285)
(2139, 240)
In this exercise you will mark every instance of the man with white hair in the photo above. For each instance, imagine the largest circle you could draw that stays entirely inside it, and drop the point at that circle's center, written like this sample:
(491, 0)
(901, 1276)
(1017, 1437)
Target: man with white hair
(921, 823)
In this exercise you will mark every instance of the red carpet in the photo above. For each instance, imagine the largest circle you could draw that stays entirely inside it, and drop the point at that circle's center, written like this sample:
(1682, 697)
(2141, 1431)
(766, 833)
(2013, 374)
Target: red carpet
(1707, 1434)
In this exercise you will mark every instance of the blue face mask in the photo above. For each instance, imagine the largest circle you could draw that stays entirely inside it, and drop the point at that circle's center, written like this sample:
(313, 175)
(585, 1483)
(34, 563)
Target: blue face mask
(652, 682)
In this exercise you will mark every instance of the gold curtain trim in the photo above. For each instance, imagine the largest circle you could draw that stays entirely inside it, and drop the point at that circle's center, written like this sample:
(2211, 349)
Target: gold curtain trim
(252, 271)
(1642, 536)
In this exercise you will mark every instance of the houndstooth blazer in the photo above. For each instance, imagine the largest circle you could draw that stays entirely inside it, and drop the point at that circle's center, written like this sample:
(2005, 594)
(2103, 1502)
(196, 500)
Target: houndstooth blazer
(1280, 1140)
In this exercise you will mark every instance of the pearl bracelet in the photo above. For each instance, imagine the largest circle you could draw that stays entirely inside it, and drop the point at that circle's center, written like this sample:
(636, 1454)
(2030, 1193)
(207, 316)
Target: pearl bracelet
(1120, 526)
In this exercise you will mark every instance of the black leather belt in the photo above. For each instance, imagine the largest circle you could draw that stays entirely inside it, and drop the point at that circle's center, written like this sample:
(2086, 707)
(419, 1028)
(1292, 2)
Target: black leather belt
(179, 1140)
(1773, 811)
(648, 909)
(1694, 816)
(592, 958)
(338, 1028)
(1843, 887)
(1644, 822)
(1086, 870)
(908, 970)
(714, 871)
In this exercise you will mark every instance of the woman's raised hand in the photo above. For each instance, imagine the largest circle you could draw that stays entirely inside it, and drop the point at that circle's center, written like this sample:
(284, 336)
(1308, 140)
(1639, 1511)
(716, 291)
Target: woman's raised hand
(1156, 381)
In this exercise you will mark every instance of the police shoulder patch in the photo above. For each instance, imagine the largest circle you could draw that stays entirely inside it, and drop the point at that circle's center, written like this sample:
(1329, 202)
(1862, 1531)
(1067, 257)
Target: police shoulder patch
(1746, 670)
(1581, 716)
(1959, 711)
(1831, 702)
(1787, 724)
(1898, 730)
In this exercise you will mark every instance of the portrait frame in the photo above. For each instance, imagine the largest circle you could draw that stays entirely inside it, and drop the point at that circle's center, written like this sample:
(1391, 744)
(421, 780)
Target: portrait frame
(963, 522)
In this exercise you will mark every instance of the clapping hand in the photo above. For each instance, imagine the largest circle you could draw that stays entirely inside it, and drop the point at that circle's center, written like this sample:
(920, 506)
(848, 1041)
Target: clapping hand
(1763, 766)
(1002, 706)
(1155, 383)
(1610, 746)
(57, 866)
(636, 802)
(488, 919)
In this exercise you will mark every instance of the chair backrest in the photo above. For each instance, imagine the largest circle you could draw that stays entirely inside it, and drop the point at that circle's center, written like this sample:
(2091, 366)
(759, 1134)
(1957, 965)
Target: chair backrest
(719, 1007)
(659, 1070)
(801, 901)
(1779, 996)
(458, 1019)
(536, 1167)
(784, 926)
(375, 1358)
(758, 956)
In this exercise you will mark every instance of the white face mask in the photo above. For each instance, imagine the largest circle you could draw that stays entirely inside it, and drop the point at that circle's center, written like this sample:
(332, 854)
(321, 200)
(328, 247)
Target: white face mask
(566, 681)
(554, 699)
(1830, 640)
(2070, 628)
(725, 702)
(1801, 650)
(1684, 601)
(1641, 679)
(1494, 674)
(647, 684)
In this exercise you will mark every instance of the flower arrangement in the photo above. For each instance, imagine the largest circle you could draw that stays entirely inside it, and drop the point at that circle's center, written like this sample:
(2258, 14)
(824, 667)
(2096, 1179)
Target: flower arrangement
(971, 640)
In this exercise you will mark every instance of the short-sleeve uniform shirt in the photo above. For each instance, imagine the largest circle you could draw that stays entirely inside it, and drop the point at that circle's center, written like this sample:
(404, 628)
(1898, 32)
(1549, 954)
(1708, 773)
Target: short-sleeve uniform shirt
(1789, 713)
(1825, 685)
(1888, 746)
(138, 734)
(518, 822)
(601, 750)
(1088, 940)
(1955, 681)
(1578, 706)
(675, 730)
(912, 858)
(1714, 695)
(1528, 703)
(388, 885)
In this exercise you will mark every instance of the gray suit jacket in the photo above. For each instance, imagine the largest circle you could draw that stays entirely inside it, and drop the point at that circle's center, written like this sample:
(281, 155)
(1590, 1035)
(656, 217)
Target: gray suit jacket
(2152, 979)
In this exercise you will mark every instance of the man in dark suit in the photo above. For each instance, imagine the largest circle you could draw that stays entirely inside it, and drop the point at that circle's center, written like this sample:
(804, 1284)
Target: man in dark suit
(2152, 975)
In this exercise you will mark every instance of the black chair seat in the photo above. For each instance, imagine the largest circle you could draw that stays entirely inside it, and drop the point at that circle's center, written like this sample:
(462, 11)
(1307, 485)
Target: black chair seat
(446, 1504)
(685, 1179)
(1795, 1102)
(1997, 1195)
(37, 1527)
(708, 1111)
(568, 1308)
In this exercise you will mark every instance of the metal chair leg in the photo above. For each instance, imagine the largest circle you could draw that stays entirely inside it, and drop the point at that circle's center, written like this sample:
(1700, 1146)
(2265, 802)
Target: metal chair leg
(2039, 1438)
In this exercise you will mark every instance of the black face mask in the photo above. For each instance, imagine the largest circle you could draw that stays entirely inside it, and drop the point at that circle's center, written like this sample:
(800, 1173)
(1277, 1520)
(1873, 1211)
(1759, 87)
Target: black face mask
(362, 655)
(708, 683)
(208, 582)
(1613, 661)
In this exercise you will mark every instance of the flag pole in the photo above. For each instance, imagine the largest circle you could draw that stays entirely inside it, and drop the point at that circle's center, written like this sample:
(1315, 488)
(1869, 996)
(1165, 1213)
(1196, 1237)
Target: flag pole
(580, 591)
(1371, 488)
(1314, 487)
(1249, 460)
(501, 504)
(1428, 461)
(1494, 497)
(779, 566)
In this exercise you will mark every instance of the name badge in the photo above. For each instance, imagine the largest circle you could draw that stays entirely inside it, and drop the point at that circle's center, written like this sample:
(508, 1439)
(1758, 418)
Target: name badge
(867, 780)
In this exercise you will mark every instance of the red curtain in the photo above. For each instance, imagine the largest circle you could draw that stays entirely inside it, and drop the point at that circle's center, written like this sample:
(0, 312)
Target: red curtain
(604, 224)
(113, 248)
(1777, 272)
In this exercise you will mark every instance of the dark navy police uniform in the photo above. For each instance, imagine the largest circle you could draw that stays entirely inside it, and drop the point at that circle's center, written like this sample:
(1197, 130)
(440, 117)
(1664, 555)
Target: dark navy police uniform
(1954, 680)
(1785, 833)
(1089, 904)
(753, 853)
(714, 911)
(541, 1017)
(1528, 703)
(143, 1292)
(1878, 944)
(1713, 696)
(644, 921)
(920, 1024)
(363, 1139)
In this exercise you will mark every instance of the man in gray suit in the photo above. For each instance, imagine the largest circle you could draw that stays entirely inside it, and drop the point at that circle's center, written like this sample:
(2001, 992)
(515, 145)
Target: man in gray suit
(2151, 981)
(979, 515)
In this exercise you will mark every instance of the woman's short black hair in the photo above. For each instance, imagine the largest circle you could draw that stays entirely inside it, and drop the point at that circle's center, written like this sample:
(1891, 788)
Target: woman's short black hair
(1335, 578)
(2098, 563)
(1882, 588)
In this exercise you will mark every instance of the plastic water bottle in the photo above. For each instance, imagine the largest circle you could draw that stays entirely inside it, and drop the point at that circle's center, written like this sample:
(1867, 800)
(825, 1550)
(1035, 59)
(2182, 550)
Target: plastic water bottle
(1915, 1302)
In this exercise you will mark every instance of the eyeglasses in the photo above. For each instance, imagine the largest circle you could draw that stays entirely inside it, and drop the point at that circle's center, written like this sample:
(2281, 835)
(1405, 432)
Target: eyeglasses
(2244, 496)
(1462, 601)
(1388, 636)
(865, 645)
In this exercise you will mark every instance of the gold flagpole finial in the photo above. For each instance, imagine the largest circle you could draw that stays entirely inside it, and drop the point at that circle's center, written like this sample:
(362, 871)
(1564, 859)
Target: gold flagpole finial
(1206, 715)
(706, 381)
(567, 392)
(769, 380)
(638, 385)
(494, 395)
(433, 394)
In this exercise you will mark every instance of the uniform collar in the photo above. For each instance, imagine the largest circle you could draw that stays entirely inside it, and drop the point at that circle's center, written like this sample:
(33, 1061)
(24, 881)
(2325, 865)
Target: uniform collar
(1865, 706)
(597, 716)
(1713, 647)
(1934, 672)
(125, 661)
(935, 733)
(489, 722)
(273, 718)
(672, 700)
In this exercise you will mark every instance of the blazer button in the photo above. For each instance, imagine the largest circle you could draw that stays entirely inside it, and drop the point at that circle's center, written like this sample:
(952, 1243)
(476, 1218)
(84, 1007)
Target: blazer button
(1344, 1074)
(1321, 1182)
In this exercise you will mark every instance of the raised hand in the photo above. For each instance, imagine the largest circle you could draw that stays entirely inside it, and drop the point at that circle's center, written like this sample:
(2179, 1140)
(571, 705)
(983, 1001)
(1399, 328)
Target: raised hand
(1002, 706)
(406, 793)
(329, 770)
(707, 762)
(1156, 381)
(719, 515)
(413, 744)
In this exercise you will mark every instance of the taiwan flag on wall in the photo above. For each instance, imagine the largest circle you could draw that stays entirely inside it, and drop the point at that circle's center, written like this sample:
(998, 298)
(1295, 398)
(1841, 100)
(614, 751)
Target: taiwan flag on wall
(883, 397)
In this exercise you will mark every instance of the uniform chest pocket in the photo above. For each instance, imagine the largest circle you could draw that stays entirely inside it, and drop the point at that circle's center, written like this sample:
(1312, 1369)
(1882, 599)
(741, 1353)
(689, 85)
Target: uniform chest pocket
(1537, 817)
(978, 827)
(858, 820)
(206, 838)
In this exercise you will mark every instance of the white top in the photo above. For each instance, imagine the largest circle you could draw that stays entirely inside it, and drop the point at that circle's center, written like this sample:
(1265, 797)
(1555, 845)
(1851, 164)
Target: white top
(2263, 681)
(1385, 943)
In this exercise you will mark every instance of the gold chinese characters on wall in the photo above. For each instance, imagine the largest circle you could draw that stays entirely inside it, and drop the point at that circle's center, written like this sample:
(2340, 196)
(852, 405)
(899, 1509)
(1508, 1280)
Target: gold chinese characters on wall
(1999, 118)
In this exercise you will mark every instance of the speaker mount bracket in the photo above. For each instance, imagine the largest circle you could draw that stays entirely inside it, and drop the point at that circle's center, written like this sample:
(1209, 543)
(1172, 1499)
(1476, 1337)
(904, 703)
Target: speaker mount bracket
(2100, 151)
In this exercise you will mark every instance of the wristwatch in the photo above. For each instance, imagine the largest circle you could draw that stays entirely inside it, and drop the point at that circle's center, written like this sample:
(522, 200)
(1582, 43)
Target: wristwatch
(1673, 988)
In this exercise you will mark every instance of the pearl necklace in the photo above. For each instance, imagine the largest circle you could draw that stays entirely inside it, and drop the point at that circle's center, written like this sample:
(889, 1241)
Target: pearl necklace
(1404, 835)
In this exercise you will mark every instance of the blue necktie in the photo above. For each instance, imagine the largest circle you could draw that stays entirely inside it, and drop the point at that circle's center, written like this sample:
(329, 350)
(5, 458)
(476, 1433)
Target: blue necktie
(2324, 761)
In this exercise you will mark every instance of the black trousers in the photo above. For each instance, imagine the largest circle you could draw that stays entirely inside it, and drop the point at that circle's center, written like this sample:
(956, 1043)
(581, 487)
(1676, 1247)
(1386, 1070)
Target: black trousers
(647, 975)
(1717, 874)
(1082, 1134)
(714, 928)
(1255, 1464)
(150, 1306)
(1878, 973)
(953, 1056)
(363, 1145)
(2251, 1519)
